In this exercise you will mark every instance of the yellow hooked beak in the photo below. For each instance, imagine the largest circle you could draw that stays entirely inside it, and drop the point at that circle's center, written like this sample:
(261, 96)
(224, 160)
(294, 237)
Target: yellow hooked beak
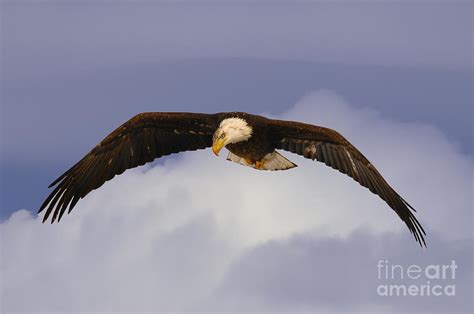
(217, 146)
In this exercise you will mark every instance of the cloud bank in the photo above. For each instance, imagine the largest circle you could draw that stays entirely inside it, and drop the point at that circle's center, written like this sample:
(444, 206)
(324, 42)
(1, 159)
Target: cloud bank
(194, 233)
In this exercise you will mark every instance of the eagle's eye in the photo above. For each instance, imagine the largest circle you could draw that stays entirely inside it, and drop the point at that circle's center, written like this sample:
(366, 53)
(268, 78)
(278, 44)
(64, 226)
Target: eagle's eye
(222, 136)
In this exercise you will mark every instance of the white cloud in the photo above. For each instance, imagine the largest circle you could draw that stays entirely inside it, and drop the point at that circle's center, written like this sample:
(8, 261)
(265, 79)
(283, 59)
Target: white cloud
(169, 237)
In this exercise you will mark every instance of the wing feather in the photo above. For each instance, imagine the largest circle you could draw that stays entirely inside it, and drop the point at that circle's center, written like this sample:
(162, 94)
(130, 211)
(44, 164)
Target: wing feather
(331, 148)
(143, 138)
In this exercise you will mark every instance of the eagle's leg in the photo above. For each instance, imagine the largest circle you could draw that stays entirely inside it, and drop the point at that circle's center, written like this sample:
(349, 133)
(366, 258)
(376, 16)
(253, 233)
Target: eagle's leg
(260, 164)
(273, 161)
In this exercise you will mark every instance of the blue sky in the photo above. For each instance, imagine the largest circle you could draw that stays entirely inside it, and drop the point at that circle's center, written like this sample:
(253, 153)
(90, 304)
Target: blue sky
(398, 73)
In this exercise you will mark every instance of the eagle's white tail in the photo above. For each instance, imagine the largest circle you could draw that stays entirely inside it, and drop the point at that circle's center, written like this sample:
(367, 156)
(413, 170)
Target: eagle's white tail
(272, 161)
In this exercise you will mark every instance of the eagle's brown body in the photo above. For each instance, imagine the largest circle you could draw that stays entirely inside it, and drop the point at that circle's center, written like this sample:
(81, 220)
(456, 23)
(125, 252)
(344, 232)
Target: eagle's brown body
(257, 146)
(148, 136)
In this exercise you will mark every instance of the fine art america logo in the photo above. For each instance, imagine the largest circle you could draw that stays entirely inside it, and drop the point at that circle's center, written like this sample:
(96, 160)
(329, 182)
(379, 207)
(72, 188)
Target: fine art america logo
(416, 280)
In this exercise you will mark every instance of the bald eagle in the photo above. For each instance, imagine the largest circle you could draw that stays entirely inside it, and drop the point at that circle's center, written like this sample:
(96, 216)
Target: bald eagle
(252, 141)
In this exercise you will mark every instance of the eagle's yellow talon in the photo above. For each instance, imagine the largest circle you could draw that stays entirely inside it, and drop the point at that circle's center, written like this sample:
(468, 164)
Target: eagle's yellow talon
(259, 164)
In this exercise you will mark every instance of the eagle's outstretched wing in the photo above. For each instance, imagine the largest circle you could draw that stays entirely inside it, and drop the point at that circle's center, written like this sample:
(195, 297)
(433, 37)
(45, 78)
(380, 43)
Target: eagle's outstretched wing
(141, 139)
(328, 146)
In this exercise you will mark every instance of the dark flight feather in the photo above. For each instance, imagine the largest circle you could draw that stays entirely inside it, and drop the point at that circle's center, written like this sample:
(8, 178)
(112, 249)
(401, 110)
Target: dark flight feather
(140, 140)
(336, 152)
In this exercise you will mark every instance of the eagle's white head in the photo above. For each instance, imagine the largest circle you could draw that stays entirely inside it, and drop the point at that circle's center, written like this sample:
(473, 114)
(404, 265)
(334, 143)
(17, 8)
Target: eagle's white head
(230, 130)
